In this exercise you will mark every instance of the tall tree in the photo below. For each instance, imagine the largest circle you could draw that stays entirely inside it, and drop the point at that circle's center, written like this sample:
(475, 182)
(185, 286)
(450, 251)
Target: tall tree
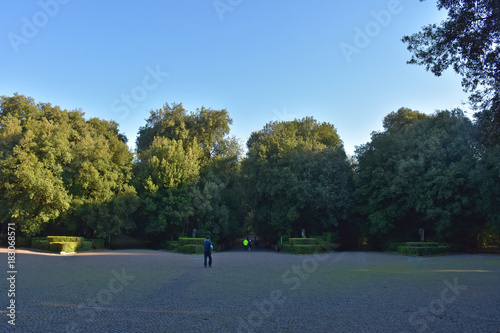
(186, 164)
(468, 42)
(55, 165)
(420, 176)
(291, 178)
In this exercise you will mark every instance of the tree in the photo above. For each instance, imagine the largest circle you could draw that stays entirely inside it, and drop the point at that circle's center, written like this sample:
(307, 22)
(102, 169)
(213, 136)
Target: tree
(294, 175)
(468, 42)
(187, 164)
(55, 165)
(209, 127)
(420, 176)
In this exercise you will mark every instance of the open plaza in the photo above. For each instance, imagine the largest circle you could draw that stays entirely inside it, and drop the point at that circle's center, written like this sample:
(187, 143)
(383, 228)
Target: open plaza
(257, 291)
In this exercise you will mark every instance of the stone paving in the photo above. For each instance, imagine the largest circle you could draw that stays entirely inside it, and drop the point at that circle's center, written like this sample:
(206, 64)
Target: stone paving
(258, 291)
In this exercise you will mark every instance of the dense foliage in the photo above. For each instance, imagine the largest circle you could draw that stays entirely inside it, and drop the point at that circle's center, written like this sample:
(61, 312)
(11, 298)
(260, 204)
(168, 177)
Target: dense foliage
(419, 175)
(297, 177)
(62, 172)
(187, 174)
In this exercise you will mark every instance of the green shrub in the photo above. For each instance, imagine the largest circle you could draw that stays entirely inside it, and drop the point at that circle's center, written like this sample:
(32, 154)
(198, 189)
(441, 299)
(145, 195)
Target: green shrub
(23, 241)
(98, 243)
(303, 241)
(190, 241)
(329, 246)
(287, 248)
(191, 249)
(84, 246)
(67, 247)
(419, 251)
(306, 249)
(64, 239)
(393, 246)
(285, 238)
(329, 237)
(421, 244)
(41, 244)
(170, 245)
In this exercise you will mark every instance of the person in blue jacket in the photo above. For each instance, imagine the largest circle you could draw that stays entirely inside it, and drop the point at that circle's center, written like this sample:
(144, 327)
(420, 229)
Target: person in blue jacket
(207, 245)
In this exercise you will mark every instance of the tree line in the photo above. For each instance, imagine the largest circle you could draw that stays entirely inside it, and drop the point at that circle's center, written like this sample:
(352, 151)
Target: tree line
(61, 173)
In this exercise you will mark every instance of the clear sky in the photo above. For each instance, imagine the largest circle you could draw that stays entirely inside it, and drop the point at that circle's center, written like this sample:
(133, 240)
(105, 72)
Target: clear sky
(341, 62)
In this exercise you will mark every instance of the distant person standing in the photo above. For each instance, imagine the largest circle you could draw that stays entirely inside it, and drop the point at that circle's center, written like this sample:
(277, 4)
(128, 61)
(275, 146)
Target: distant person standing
(207, 245)
(245, 243)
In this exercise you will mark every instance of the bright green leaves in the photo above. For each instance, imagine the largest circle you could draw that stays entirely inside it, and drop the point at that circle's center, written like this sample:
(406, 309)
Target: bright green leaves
(55, 166)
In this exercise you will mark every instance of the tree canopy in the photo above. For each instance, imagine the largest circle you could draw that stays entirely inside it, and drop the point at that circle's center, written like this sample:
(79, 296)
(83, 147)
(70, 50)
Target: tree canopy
(466, 41)
(63, 171)
(419, 176)
(297, 176)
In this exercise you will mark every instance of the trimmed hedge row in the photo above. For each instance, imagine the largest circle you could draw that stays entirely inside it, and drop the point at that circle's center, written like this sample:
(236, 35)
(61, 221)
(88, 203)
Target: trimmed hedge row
(189, 240)
(67, 244)
(192, 249)
(310, 245)
(423, 250)
(186, 245)
(303, 241)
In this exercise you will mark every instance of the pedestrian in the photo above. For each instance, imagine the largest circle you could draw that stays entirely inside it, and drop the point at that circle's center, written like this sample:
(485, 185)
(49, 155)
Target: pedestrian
(207, 245)
(245, 243)
(249, 245)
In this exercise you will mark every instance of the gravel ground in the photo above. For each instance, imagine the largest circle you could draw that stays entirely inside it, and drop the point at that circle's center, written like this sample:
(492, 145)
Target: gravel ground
(258, 291)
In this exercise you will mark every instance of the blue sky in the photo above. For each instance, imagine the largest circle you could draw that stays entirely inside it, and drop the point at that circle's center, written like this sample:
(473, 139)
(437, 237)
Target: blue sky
(341, 62)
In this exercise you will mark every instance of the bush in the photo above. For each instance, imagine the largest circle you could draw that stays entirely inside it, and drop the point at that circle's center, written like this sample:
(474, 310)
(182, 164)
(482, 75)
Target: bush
(419, 251)
(329, 246)
(63, 244)
(329, 237)
(192, 249)
(64, 239)
(170, 245)
(190, 241)
(421, 244)
(41, 244)
(67, 247)
(84, 246)
(97, 243)
(23, 242)
(303, 241)
(287, 248)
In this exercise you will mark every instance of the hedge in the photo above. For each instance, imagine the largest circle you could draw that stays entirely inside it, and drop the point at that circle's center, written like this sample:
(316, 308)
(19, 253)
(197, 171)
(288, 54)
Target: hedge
(170, 245)
(23, 241)
(190, 241)
(64, 239)
(71, 245)
(421, 244)
(303, 241)
(191, 249)
(42, 244)
(423, 250)
(97, 243)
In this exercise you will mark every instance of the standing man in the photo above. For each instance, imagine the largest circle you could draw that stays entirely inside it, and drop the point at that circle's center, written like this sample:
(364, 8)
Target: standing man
(207, 245)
